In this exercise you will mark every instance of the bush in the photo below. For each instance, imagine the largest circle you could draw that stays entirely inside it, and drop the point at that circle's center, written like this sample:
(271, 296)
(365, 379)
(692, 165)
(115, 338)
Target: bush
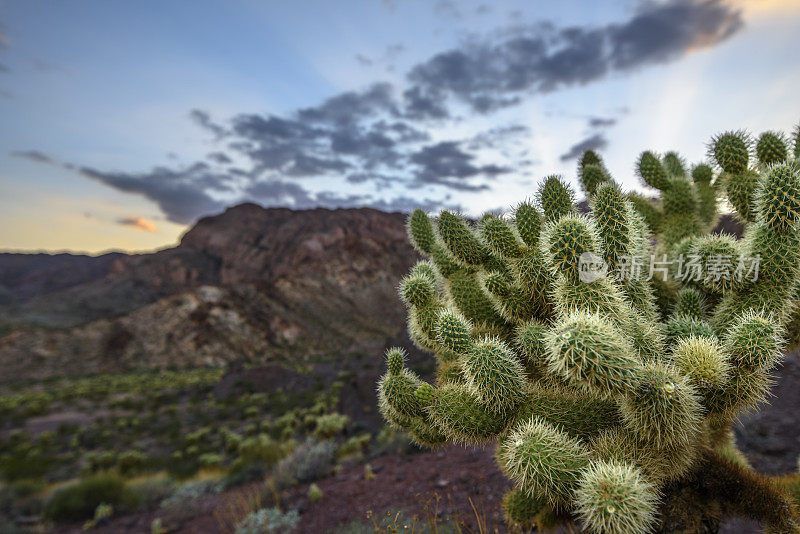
(191, 491)
(153, 490)
(329, 425)
(310, 461)
(131, 463)
(25, 462)
(78, 501)
(354, 446)
(314, 493)
(261, 449)
(267, 521)
(209, 460)
(257, 455)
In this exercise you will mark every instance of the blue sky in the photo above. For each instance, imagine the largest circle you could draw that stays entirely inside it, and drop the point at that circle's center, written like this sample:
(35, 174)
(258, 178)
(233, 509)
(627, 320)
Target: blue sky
(124, 122)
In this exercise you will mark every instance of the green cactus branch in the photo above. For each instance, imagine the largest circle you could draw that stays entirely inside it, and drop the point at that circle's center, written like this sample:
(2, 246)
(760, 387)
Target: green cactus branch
(610, 408)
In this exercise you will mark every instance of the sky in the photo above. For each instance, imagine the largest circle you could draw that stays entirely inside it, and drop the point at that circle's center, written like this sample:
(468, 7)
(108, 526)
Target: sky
(123, 123)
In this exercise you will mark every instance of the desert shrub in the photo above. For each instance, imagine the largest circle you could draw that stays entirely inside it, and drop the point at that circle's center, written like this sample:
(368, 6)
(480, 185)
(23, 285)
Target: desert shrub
(209, 460)
(102, 514)
(26, 487)
(26, 462)
(288, 422)
(268, 521)
(327, 426)
(310, 461)
(232, 440)
(191, 491)
(182, 466)
(262, 448)
(131, 463)
(314, 493)
(354, 446)
(21, 497)
(199, 436)
(257, 455)
(391, 440)
(100, 461)
(79, 501)
(153, 490)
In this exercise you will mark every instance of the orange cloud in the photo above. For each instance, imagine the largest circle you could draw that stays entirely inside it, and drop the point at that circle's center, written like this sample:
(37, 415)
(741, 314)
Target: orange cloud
(139, 223)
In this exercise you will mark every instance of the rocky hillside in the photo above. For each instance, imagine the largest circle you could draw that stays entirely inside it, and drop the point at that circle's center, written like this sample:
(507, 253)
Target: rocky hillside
(24, 276)
(249, 284)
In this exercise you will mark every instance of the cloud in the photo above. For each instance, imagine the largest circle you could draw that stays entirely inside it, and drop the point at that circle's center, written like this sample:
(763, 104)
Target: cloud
(219, 157)
(662, 32)
(33, 155)
(363, 60)
(446, 164)
(386, 59)
(140, 223)
(203, 119)
(493, 73)
(181, 195)
(594, 142)
(387, 136)
(602, 122)
(280, 193)
(497, 137)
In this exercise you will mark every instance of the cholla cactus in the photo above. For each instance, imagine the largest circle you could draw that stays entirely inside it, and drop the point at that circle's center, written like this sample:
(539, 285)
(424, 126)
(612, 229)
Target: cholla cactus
(688, 200)
(602, 413)
(688, 204)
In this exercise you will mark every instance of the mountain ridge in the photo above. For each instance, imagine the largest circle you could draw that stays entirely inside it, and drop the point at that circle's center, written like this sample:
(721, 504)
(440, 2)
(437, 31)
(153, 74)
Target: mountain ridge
(250, 283)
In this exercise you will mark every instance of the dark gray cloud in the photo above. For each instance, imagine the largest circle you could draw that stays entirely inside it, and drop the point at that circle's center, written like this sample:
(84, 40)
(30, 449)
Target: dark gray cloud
(498, 137)
(492, 73)
(446, 164)
(594, 142)
(363, 60)
(203, 119)
(33, 155)
(280, 193)
(219, 157)
(602, 122)
(662, 32)
(277, 192)
(385, 59)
